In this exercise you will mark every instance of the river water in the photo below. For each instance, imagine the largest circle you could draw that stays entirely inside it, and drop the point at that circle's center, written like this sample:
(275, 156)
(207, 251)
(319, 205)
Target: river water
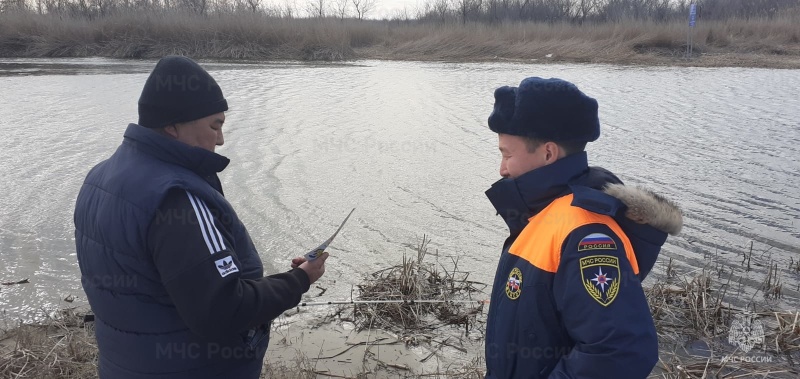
(406, 144)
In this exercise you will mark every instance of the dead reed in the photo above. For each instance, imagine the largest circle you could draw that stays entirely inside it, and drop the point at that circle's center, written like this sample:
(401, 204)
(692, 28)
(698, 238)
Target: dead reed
(416, 279)
(692, 311)
(56, 347)
(699, 328)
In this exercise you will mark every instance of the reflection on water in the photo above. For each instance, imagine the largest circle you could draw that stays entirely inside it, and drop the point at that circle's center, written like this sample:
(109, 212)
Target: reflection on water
(406, 144)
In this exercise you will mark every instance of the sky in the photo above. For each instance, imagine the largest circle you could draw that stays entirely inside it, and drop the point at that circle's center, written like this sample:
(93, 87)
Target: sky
(383, 9)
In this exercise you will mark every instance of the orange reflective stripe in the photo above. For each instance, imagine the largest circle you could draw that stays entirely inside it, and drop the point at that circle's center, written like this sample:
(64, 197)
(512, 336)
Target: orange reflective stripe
(540, 243)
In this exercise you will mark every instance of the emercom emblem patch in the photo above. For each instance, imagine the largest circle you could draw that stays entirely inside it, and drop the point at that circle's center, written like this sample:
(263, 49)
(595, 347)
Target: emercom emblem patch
(601, 275)
(597, 241)
(225, 266)
(514, 284)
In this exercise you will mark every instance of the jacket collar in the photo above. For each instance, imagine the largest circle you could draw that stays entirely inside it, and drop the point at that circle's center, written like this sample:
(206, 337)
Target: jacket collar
(200, 161)
(518, 199)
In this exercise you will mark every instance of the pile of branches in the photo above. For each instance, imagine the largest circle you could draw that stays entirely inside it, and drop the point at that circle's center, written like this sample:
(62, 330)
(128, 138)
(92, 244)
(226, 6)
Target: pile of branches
(416, 295)
(56, 347)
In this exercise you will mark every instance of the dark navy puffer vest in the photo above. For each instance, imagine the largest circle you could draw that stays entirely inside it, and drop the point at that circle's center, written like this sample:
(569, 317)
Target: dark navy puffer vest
(139, 332)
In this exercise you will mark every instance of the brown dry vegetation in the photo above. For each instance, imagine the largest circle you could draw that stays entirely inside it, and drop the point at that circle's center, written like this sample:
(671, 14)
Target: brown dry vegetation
(689, 310)
(754, 42)
(58, 346)
(455, 300)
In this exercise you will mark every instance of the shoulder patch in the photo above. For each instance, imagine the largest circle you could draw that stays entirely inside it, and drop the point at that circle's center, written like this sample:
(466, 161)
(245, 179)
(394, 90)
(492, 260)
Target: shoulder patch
(601, 275)
(514, 284)
(597, 241)
(225, 266)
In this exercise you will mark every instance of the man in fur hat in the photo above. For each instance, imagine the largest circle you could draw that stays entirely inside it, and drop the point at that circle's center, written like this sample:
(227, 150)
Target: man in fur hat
(175, 282)
(567, 300)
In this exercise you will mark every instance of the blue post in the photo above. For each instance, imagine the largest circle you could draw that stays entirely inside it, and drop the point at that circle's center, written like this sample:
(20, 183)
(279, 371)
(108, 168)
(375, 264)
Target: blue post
(692, 22)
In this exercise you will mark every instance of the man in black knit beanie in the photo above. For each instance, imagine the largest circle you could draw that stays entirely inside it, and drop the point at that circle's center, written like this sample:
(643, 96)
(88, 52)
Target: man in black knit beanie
(178, 90)
(174, 280)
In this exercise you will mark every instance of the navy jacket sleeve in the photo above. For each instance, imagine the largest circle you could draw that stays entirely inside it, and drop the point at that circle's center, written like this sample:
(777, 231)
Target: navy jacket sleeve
(200, 272)
(603, 308)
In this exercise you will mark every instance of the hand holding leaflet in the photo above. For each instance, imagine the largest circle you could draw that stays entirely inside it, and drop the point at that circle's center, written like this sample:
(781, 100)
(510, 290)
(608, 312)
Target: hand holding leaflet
(313, 254)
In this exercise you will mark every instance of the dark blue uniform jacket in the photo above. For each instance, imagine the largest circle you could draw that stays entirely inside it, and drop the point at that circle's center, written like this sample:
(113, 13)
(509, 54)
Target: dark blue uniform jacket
(567, 300)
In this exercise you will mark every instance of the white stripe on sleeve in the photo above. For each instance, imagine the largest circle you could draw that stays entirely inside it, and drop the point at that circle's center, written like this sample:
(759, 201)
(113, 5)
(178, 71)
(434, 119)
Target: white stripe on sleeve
(212, 224)
(208, 236)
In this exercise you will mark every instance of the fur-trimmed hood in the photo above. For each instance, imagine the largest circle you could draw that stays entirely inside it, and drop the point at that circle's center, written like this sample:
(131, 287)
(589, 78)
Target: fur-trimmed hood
(646, 218)
(647, 207)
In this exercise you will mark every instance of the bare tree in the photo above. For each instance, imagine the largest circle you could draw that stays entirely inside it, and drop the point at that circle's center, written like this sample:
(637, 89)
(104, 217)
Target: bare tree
(9, 5)
(463, 7)
(102, 6)
(585, 8)
(341, 7)
(226, 6)
(198, 6)
(441, 8)
(272, 10)
(316, 8)
(581, 11)
(491, 10)
(424, 11)
(467, 7)
(289, 9)
(403, 14)
(364, 7)
(253, 5)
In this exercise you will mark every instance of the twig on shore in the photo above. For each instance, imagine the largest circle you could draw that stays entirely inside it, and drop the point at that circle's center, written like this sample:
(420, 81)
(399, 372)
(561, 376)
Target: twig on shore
(374, 343)
(23, 281)
(392, 365)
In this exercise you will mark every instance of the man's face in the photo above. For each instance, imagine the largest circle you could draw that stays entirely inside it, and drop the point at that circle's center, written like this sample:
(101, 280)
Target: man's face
(517, 160)
(205, 132)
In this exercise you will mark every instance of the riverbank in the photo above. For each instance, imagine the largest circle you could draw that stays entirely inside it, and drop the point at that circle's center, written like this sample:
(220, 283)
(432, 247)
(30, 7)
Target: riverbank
(773, 43)
(693, 345)
(701, 334)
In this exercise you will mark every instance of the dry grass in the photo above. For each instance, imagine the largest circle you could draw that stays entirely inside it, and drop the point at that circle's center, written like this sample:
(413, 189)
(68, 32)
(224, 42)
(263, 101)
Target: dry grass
(770, 43)
(688, 311)
(244, 36)
(691, 310)
(631, 42)
(57, 347)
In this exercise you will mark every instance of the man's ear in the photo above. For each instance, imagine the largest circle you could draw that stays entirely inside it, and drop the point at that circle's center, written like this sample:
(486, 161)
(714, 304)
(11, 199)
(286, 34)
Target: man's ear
(171, 130)
(552, 152)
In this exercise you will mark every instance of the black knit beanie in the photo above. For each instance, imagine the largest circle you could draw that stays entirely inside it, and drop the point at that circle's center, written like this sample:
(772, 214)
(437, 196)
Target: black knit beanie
(178, 90)
(545, 109)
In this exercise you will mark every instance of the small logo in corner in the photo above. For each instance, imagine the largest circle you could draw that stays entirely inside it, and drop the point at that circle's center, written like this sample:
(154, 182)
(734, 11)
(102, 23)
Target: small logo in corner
(746, 332)
(225, 266)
